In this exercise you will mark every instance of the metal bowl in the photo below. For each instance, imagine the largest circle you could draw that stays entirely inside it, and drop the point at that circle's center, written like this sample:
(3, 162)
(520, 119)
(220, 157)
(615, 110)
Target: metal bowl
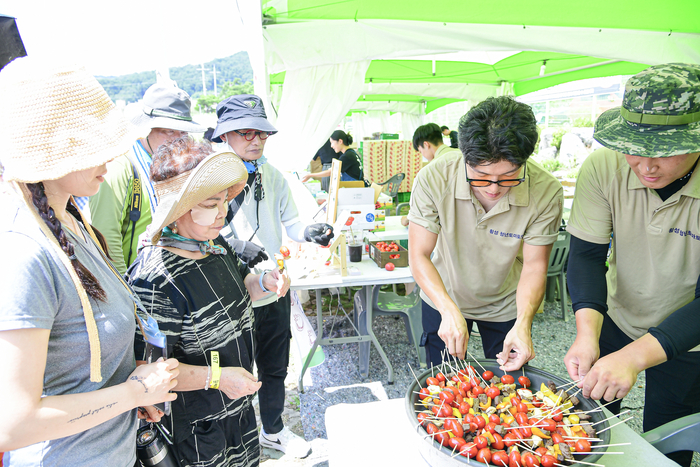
(437, 455)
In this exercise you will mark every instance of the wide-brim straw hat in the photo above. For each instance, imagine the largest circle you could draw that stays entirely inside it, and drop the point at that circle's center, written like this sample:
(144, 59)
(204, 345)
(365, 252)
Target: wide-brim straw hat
(164, 105)
(56, 119)
(177, 195)
(659, 116)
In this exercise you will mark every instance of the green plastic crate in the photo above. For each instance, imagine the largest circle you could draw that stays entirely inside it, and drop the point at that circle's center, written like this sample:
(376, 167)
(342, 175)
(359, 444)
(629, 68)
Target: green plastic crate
(404, 197)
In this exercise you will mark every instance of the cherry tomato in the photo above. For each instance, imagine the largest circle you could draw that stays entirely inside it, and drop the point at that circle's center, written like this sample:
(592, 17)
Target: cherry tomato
(422, 416)
(442, 438)
(514, 459)
(490, 427)
(487, 375)
(522, 419)
(464, 407)
(480, 422)
(522, 407)
(541, 451)
(445, 411)
(510, 439)
(484, 455)
(495, 419)
(582, 445)
(548, 460)
(474, 382)
(507, 379)
(473, 427)
(431, 428)
(285, 251)
(458, 400)
(524, 381)
(469, 369)
(456, 379)
(481, 442)
(389, 266)
(557, 438)
(447, 397)
(499, 458)
(476, 390)
(440, 377)
(557, 415)
(526, 432)
(548, 424)
(424, 394)
(493, 392)
(457, 442)
(431, 381)
(531, 460)
(469, 450)
(515, 400)
(498, 442)
(456, 428)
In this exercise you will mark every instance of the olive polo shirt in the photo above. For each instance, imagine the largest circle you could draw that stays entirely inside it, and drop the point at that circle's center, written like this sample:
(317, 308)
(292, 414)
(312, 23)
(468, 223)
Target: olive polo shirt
(655, 260)
(444, 150)
(479, 255)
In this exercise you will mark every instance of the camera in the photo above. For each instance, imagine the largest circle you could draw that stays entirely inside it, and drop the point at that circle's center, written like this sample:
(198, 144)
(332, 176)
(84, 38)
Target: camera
(152, 447)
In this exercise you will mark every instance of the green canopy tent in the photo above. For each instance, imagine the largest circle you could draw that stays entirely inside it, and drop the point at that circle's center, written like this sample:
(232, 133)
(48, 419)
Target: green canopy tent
(411, 56)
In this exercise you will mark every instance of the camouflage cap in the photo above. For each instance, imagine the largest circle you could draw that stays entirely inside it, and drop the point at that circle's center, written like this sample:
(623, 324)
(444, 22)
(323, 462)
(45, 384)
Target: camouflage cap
(660, 113)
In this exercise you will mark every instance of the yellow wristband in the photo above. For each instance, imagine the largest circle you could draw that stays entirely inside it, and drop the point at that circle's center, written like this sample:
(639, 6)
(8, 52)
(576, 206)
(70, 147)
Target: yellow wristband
(215, 370)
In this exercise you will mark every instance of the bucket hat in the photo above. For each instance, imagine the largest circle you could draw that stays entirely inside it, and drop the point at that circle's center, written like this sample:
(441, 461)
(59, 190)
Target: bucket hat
(659, 116)
(245, 111)
(56, 119)
(166, 106)
(177, 195)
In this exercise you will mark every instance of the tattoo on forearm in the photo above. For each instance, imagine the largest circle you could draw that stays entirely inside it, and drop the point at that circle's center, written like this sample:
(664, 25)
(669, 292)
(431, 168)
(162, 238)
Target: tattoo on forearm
(92, 412)
(140, 380)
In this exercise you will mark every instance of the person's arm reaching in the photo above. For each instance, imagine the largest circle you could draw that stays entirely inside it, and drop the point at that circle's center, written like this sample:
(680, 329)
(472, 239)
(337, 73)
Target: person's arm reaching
(530, 292)
(316, 176)
(453, 328)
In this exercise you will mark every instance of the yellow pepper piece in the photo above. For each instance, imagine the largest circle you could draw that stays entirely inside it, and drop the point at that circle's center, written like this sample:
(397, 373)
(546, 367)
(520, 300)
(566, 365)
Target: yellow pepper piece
(471, 411)
(540, 433)
(573, 419)
(456, 413)
(489, 436)
(508, 420)
(486, 405)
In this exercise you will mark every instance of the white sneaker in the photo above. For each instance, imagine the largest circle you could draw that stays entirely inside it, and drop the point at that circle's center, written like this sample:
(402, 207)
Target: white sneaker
(287, 442)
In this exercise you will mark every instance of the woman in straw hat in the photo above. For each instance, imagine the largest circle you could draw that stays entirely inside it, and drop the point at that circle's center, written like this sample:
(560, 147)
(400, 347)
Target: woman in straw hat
(70, 386)
(201, 294)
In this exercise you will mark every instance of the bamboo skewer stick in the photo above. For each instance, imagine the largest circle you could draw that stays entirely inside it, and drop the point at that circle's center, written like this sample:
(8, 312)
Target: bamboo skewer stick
(613, 416)
(581, 462)
(569, 384)
(598, 409)
(414, 374)
(622, 421)
(600, 453)
(608, 445)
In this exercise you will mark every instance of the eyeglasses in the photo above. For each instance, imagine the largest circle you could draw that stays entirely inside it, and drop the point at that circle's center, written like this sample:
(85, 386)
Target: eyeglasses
(250, 135)
(506, 183)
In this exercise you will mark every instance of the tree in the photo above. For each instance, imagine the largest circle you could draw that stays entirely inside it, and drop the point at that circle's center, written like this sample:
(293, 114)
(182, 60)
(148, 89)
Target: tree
(209, 102)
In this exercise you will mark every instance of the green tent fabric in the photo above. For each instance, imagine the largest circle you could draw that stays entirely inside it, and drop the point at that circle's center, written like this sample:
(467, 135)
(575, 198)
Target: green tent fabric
(420, 56)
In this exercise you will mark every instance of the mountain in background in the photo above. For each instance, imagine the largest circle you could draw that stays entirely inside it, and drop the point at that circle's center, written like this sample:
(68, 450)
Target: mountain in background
(131, 87)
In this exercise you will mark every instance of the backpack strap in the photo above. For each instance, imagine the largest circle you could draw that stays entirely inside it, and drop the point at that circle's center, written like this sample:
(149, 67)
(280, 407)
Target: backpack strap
(134, 209)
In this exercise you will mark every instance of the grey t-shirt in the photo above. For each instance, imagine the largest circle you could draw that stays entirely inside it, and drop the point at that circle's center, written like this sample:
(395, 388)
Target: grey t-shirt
(37, 292)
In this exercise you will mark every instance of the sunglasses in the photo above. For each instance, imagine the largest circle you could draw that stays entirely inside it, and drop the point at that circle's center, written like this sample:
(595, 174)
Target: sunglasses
(505, 183)
(250, 135)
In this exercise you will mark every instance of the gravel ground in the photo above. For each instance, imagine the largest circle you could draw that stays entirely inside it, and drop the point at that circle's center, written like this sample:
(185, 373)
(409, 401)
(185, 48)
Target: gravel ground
(338, 380)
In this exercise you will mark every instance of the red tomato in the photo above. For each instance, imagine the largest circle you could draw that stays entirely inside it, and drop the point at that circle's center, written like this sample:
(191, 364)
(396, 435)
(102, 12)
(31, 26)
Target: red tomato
(422, 416)
(481, 442)
(464, 407)
(476, 390)
(514, 459)
(447, 397)
(474, 382)
(530, 460)
(548, 460)
(431, 428)
(473, 427)
(431, 381)
(456, 379)
(557, 415)
(424, 394)
(510, 439)
(441, 377)
(499, 458)
(455, 427)
(480, 422)
(487, 375)
(522, 419)
(557, 438)
(526, 432)
(548, 424)
(458, 400)
(541, 451)
(484, 455)
(389, 266)
(497, 442)
(493, 392)
(457, 442)
(507, 379)
(445, 411)
(582, 445)
(490, 427)
(469, 369)
(522, 408)
(442, 438)
(495, 419)
(524, 381)
(515, 400)
(469, 450)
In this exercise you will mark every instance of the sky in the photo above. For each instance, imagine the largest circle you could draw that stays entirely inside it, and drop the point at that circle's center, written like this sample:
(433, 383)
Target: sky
(126, 36)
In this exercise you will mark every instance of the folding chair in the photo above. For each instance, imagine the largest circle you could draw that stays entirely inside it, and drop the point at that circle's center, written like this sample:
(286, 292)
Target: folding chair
(391, 186)
(679, 435)
(557, 266)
